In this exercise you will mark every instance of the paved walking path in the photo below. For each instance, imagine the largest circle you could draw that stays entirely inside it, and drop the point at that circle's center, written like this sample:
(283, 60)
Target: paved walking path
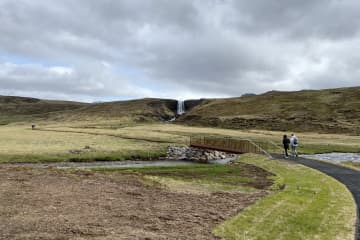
(349, 177)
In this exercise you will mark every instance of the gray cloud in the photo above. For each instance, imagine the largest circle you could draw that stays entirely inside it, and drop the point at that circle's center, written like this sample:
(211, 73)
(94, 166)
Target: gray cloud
(95, 50)
(335, 19)
(59, 82)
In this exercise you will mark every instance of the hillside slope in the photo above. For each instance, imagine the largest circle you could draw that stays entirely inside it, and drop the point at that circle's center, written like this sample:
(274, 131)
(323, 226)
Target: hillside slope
(331, 110)
(147, 109)
(16, 109)
(22, 109)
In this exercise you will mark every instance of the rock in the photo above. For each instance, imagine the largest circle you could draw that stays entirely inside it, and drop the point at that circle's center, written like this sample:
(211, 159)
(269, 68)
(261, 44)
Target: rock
(75, 151)
(195, 154)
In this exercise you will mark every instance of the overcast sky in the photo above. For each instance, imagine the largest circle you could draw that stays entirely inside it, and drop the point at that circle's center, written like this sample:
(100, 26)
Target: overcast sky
(100, 50)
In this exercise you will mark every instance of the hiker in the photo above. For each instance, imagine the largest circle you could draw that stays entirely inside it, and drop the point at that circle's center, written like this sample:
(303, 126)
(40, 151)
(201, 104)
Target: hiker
(286, 143)
(294, 142)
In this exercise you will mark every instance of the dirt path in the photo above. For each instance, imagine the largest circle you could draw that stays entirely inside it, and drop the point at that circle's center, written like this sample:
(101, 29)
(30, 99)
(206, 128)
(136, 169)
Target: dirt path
(349, 177)
(39, 203)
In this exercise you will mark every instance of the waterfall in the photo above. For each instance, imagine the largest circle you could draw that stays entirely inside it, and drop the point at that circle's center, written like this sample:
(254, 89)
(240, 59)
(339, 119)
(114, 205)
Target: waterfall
(181, 107)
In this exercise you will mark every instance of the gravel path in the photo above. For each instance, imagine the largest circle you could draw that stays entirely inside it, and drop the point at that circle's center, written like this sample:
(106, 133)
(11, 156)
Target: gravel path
(349, 177)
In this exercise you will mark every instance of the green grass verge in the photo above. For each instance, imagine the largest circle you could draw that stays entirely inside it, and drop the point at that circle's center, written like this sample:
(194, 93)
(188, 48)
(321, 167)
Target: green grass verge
(327, 148)
(213, 177)
(312, 206)
(354, 165)
(206, 173)
(83, 157)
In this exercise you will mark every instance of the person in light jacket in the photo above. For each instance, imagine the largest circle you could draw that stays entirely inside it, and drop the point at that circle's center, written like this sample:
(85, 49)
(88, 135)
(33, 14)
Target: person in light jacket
(294, 143)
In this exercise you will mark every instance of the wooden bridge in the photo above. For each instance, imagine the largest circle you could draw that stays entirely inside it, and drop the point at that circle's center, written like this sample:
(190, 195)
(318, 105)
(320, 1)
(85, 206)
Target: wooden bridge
(227, 144)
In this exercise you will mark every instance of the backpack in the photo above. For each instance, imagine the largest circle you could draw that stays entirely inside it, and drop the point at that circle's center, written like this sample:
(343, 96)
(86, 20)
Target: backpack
(295, 141)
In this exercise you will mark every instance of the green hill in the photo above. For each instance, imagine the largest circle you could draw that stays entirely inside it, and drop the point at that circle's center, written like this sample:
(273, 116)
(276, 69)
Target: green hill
(140, 110)
(331, 110)
(19, 109)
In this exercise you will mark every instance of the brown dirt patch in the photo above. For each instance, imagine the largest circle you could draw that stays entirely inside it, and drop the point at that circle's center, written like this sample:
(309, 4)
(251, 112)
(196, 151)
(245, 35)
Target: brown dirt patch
(56, 204)
(259, 176)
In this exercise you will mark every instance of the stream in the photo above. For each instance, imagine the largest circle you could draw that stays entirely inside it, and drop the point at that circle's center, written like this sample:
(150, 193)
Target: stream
(335, 157)
(113, 164)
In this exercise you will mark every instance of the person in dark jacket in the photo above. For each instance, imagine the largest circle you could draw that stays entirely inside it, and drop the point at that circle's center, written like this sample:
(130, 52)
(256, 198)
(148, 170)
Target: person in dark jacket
(286, 143)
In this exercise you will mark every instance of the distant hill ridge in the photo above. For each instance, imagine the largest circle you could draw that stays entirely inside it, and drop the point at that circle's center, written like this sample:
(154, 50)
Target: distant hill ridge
(23, 109)
(330, 110)
(19, 109)
(140, 110)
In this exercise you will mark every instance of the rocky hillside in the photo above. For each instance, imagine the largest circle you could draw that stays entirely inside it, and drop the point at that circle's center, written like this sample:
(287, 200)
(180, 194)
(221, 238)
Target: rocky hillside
(331, 110)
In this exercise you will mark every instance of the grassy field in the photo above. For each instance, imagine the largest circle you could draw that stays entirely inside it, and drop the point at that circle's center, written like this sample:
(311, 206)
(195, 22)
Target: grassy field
(312, 206)
(310, 143)
(113, 141)
(21, 144)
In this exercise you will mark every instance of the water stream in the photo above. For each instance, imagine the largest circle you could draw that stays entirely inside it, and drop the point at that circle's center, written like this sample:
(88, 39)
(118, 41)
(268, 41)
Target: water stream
(113, 164)
(159, 163)
(335, 157)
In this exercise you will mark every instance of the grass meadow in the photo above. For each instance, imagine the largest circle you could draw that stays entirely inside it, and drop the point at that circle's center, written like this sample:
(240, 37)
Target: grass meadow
(21, 144)
(88, 141)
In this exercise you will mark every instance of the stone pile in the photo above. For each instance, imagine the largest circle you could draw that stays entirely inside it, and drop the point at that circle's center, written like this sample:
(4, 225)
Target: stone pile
(196, 154)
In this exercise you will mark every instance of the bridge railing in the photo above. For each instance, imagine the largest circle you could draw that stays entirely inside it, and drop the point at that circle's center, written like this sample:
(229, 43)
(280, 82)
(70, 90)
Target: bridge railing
(227, 144)
(269, 146)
